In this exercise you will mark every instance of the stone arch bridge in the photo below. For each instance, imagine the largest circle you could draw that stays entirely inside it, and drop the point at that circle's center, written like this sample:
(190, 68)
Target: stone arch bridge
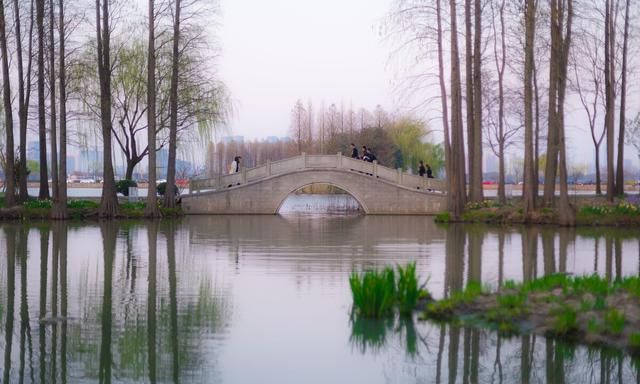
(261, 190)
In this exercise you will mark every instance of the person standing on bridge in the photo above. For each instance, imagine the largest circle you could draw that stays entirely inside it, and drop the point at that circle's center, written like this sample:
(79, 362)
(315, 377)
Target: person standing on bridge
(429, 172)
(421, 169)
(354, 152)
(235, 165)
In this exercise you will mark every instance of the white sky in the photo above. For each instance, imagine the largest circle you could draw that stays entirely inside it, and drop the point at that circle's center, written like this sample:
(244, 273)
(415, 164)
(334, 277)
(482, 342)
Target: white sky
(274, 52)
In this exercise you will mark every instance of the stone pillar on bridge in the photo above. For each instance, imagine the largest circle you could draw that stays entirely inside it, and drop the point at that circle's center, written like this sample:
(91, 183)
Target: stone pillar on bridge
(339, 160)
(304, 160)
(268, 167)
(399, 176)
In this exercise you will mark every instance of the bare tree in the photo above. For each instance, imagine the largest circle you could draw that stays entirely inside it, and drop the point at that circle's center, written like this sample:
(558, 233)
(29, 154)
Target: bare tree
(588, 64)
(8, 114)
(43, 194)
(298, 122)
(152, 200)
(457, 189)
(108, 200)
(619, 187)
(169, 196)
(610, 96)
(52, 105)
(529, 196)
(24, 94)
(60, 205)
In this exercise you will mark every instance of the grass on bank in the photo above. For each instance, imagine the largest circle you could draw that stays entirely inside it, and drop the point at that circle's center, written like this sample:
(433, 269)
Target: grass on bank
(587, 308)
(83, 209)
(376, 293)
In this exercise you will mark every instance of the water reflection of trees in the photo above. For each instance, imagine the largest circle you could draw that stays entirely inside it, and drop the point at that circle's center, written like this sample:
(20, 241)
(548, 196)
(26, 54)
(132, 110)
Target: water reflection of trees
(447, 353)
(159, 336)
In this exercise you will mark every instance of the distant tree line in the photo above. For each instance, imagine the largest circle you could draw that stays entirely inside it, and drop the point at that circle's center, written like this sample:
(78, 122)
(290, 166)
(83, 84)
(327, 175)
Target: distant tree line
(398, 141)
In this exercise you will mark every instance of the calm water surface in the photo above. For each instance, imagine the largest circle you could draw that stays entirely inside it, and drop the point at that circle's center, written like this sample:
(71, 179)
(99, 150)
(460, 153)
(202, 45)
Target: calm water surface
(265, 299)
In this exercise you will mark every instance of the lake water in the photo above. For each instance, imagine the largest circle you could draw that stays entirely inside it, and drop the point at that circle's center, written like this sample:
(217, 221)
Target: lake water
(265, 299)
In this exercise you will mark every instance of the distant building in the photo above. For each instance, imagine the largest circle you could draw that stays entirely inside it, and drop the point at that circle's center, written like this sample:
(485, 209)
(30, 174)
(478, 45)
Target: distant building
(162, 159)
(33, 150)
(71, 164)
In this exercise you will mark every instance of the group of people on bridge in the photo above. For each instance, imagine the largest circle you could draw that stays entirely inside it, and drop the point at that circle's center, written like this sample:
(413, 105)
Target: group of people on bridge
(367, 153)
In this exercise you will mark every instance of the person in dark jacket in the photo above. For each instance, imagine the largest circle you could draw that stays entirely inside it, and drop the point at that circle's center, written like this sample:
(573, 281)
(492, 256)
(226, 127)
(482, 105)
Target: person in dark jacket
(354, 152)
(429, 172)
(421, 169)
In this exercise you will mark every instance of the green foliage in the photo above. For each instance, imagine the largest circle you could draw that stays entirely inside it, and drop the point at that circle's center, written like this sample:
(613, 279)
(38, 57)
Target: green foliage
(409, 135)
(565, 321)
(38, 204)
(443, 217)
(82, 204)
(162, 188)
(614, 321)
(634, 340)
(600, 304)
(622, 208)
(373, 292)
(122, 186)
(407, 289)
(376, 292)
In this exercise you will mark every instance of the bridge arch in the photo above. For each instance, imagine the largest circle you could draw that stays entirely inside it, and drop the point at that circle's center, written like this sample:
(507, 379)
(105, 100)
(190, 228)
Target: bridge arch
(355, 196)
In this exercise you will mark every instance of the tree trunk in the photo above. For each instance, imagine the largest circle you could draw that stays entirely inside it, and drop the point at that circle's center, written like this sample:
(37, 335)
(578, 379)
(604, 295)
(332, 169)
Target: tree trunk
(131, 166)
(536, 137)
(476, 168)
(598, 181)
(469, 61)
(152, 200)
(552, 134)
(10, 179)
(566, 213)
(60, 209)
(169, 195)
(52, 101)
(108, 200)
(457, 193)
(529, 198)
(500, 65)
(623, 105)
(609, 74)
(43, 194)
(443, 101)
(23, 101)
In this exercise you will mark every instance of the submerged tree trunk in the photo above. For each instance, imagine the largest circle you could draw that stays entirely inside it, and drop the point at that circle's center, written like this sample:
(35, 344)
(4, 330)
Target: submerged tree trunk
(43, 194)
(10, 179)
(529, 197)
(169, 195)
(108, 200)
(619, 187)
(60, 207)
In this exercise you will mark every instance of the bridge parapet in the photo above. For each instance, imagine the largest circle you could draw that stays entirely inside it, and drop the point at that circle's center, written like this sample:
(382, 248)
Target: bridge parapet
(304, 161)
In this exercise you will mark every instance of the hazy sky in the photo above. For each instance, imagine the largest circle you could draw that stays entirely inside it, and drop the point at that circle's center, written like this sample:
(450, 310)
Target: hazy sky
(274, 52)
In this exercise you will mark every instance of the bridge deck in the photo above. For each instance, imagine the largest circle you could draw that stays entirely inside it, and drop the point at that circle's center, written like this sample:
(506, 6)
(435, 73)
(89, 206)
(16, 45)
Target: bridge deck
(314, 162)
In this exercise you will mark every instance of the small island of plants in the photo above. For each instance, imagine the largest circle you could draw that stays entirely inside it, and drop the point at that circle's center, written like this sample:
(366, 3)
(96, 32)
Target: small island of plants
(585, 309)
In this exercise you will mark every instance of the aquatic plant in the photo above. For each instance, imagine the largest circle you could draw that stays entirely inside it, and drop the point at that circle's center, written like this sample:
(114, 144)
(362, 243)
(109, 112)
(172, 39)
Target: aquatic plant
(634, 341)
(373, 292)
(82, 204)
(614, 321)
(565, 321)
(38, 204)
(407, 290)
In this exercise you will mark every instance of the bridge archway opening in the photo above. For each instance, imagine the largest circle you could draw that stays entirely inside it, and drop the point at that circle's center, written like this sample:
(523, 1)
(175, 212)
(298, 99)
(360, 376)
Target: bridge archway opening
(320, 199)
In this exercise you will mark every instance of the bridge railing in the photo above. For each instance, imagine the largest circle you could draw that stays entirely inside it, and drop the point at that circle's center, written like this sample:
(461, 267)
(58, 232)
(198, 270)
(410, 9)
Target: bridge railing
(305, 161)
